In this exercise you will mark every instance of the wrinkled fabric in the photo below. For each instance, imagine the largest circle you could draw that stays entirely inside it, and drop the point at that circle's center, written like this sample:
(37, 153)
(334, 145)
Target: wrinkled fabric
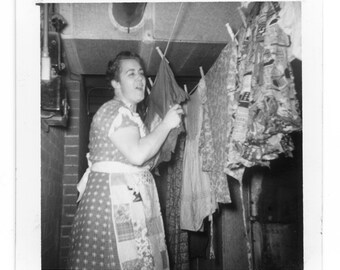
(223, 96)
(264, 108)
(251, 99)
(273, 109)
(165, 93)
(178, 246)
(197, 199)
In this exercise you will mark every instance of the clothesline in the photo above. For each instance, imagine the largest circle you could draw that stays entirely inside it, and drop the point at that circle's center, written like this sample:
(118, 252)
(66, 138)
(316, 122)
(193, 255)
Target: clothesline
(193, 90)
(163, 57)
(232, 35)
(173, 28)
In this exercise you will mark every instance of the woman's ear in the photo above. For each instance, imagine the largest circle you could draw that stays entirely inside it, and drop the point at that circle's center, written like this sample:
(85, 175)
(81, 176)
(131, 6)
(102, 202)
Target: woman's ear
(115, 84)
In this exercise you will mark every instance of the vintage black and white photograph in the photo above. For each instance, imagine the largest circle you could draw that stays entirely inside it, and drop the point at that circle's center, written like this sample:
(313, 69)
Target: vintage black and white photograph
(171, 135)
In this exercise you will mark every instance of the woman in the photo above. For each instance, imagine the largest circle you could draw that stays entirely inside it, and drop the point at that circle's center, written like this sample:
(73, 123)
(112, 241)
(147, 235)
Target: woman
(118, 224)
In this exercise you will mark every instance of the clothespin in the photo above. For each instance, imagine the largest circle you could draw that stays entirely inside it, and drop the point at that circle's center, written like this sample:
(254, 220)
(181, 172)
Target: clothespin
(151, 84)
(161, 54)
(202, 76)
(148, 90)
(243, 17)
(202, 72)
(185, 88)
(150, 81)
(231, 33)
(193, 90)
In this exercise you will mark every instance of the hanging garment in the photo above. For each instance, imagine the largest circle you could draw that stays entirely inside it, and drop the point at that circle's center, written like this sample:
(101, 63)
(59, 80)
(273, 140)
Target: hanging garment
(267, 109)
(118, 223)
(164, 94)
(178, 246)
(275, 109)
(197, 199)
(208, 149)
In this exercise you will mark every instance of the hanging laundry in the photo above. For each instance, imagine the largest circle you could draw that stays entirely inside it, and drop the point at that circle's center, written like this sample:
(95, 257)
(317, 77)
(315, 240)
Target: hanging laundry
(164, 94)
(268, 109)
(251, 103)
(197, 199)
(212, 149)
(178, 243)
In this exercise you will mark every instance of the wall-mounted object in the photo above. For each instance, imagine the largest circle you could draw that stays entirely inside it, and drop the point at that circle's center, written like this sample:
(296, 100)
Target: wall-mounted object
(54, 105)
(51, 53)
(55, 53)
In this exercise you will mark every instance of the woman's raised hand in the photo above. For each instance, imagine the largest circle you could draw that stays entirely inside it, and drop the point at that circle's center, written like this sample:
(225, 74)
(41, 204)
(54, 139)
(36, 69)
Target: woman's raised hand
(172, 118)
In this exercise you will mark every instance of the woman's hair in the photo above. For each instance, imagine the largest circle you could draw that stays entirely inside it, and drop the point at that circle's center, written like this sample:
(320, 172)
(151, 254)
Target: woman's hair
(114, 66)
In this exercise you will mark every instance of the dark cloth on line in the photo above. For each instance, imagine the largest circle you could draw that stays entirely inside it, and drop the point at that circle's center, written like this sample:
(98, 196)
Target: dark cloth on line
(165, 93)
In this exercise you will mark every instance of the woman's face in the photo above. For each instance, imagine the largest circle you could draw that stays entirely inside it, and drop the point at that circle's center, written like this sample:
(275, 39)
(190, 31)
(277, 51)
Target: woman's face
(132, 82)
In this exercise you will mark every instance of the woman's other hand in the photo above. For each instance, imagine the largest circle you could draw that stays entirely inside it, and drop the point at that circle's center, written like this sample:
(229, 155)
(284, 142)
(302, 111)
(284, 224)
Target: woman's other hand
(173, 118)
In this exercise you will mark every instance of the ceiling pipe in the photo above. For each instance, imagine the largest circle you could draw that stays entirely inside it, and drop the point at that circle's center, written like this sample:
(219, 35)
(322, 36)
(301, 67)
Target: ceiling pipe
(45, 59)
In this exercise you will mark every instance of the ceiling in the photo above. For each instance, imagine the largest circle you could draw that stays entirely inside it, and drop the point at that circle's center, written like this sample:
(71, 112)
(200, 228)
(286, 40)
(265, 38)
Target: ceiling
(93, 36)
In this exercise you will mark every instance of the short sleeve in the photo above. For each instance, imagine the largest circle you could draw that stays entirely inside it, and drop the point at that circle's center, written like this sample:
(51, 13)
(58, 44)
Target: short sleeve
(123, 119)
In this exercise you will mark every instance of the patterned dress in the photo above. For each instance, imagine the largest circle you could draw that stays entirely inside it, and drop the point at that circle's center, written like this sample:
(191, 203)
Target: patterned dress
(118, 223)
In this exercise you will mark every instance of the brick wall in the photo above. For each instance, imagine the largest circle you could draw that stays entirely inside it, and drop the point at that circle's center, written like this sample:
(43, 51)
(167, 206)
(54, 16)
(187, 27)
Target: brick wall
(52, 160)
(76, 138)
(84, 128)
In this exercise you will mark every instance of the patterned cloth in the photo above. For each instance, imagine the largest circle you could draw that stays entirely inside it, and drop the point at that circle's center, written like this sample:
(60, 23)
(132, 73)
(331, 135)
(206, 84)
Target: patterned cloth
(251, 100)
(267, 109)
(211, 149)
(222, 101)
(118, 224)
(178, 245)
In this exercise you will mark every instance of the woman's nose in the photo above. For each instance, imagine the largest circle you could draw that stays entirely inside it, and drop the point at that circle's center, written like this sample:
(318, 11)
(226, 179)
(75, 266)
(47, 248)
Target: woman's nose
(141, 77)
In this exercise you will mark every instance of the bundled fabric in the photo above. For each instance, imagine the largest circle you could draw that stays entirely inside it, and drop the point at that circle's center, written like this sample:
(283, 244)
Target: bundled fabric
(164, 94)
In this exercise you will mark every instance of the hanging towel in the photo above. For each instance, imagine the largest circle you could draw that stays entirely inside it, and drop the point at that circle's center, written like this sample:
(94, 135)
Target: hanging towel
(164, 94)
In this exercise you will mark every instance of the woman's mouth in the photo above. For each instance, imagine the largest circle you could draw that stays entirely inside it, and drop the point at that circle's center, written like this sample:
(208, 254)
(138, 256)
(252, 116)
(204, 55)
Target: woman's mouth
(140, 88)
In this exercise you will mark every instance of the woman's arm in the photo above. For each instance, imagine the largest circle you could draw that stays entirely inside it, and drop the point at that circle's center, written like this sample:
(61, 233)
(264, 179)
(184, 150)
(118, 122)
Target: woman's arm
(138, 150)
